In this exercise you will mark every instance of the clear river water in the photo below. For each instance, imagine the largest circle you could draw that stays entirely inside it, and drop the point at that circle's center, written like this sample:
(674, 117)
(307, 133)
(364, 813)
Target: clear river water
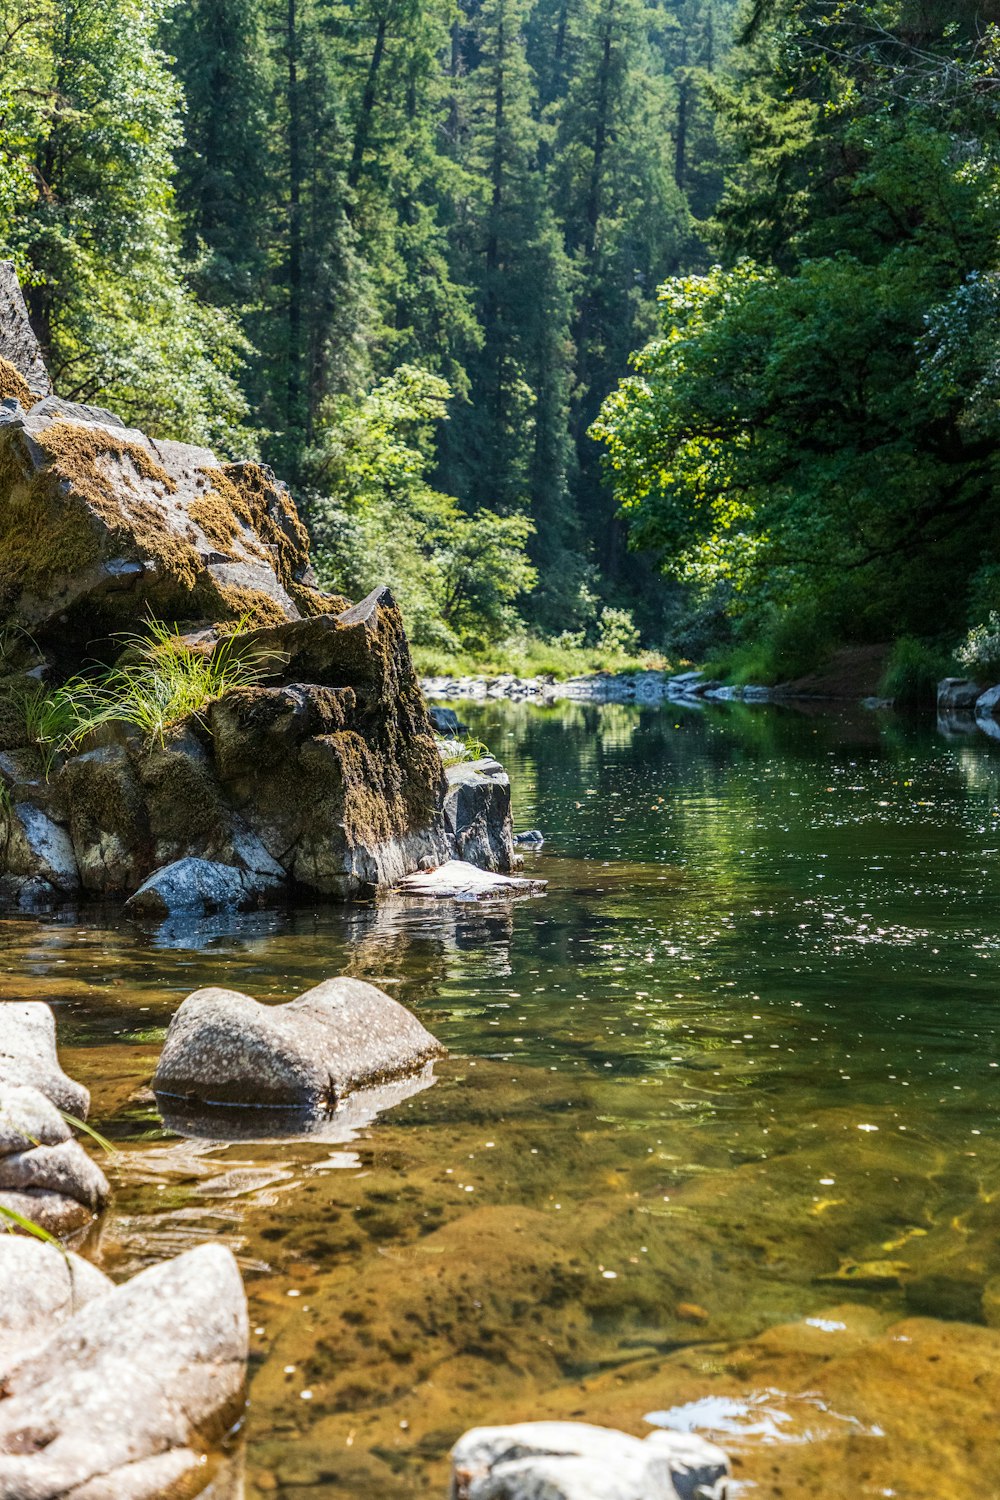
(715, 1145)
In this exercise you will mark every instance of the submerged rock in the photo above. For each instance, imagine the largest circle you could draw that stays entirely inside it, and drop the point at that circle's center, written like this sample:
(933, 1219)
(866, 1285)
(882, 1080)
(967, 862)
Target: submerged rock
(223, 1047)
(45, 1175)
(575, 1461)
(458, 880)
(128, 1397)
(28, 1055)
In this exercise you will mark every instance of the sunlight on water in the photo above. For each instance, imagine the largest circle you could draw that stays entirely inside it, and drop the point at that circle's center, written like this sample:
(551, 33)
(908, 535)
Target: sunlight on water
(715, 1144)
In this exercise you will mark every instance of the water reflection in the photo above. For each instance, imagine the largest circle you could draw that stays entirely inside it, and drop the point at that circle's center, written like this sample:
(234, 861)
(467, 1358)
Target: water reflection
(719, 1121)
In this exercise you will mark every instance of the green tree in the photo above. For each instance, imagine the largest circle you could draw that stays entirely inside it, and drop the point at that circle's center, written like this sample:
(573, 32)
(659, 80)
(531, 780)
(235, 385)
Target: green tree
(91, 121)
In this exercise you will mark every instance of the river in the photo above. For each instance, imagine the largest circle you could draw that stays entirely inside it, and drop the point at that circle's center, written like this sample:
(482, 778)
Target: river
(715, 1142)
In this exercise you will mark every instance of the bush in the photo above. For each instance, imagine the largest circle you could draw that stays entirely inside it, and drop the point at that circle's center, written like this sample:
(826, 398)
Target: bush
(617, 632)
(788, 643)
(979, 653)
(913, 672)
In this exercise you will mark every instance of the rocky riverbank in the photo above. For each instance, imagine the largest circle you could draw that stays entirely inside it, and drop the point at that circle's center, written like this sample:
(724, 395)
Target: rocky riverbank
(186, 719)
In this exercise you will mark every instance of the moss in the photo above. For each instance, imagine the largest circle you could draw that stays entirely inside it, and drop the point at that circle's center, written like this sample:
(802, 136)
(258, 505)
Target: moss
(311, 602)
(251, 606)
(92, 476)
(249, 494)
(13, 384)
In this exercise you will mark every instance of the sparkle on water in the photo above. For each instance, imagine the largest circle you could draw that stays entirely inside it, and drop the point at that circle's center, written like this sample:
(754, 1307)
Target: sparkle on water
(715, 1145)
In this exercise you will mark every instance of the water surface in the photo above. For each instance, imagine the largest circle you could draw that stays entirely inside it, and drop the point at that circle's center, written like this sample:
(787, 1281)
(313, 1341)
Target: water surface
(715, 1143)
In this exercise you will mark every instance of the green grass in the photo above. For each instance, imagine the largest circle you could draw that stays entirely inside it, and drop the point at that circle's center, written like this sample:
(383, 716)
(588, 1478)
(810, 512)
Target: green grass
(529, 656)
(469, 750)
(159, 683)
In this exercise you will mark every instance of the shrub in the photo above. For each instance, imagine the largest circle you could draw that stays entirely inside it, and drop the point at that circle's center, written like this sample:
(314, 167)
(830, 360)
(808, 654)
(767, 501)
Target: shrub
(979, 653)
(913, 671)
(617, 632)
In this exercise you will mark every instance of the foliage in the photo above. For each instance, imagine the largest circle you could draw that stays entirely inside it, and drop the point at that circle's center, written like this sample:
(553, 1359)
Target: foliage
(530, 656)
(460, 751)
(617, 633)
(979, 653)
(783, 645)
(90, 120)
(159, 682)
(457, 576)
(913, 672)
(818, 419)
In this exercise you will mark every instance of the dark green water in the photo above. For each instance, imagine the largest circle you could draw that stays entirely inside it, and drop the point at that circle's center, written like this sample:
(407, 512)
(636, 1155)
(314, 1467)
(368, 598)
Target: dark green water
(718, 1125)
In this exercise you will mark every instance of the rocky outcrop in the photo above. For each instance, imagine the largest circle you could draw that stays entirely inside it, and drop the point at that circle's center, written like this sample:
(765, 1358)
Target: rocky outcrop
(320, 773)
(23, 376)
(575, 1461)
(477, 814)
(224, 1048)
(129, 1396)
(45, 1174)
(28, 1055)
(958, 695)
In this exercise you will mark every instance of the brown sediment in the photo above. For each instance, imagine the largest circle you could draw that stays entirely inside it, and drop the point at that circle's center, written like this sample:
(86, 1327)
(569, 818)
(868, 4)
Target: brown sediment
(13, 385)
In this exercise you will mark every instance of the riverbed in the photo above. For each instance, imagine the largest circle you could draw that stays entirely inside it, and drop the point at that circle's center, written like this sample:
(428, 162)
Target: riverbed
(715, 1143)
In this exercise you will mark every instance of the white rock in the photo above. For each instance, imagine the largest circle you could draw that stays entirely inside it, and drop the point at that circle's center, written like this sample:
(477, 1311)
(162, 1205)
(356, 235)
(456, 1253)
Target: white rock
(576, 1461)
(28, 1055)
(125, 1399)
(464, 882)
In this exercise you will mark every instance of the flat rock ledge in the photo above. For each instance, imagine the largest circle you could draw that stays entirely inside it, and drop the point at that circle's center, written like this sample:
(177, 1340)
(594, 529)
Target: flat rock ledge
(45, 1174)
(224, 1048)
(575, 1461)
(457, 880)
(129, 1396)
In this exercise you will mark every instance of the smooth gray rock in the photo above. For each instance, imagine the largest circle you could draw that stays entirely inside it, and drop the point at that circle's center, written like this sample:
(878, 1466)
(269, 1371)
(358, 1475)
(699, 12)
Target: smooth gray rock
(28, 1055)
(18, 344)
(477, 814)
(445, 722)
(957, 693)
(222, 1047)
(45, 1175)
(575, 1461)
(126, 1399)
(988, 704)
(459, 881)
(40, 1287)
(199, 886)
(38, 852)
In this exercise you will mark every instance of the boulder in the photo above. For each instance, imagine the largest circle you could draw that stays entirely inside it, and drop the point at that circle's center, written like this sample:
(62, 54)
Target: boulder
(23, 375)
(957, 693)
(445, 722)
(223, 1047)
(477, 814)
(39, 866)
(575, 1461)
(128, 1397)
(45, 1175)
(99, 524)
(197, 887)
(28, 1055)
(43, 1285)
(459, 881)
(988, 704)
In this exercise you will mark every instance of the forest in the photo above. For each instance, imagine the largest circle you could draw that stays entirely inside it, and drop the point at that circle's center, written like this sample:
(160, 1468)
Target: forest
(617, 324)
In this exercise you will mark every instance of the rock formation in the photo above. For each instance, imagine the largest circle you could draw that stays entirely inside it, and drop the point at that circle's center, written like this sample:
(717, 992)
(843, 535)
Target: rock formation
(320, 774)
(225, 1048)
